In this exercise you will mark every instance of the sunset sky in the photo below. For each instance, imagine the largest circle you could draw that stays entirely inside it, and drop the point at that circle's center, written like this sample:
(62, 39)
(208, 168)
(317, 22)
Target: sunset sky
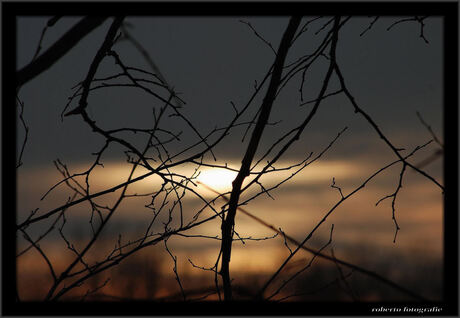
(213, 61)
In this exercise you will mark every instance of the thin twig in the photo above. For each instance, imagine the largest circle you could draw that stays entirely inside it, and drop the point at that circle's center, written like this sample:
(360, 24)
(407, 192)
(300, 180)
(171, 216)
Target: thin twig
(325, 256)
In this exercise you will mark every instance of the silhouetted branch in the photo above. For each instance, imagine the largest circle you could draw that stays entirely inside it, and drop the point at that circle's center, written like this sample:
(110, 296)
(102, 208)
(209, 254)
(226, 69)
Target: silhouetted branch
(49, 230)
(39, 249)
(298, 130)
(336, 187)
(95, 290)
(304, 268)
(176, 168)
(401, 175)
(152, 65)
(377, 129)
(300, 166)
(324, 97)
(343, 278)
(51, 22)
(174, 258)
(259, 36)
(315, 252)
(105, 47)
(228, 223)
(370, 25)
(417, 19)
(428, 127)
(58, 49)
(304, 27)
(26, 131)
(307, 238)
(314, 291)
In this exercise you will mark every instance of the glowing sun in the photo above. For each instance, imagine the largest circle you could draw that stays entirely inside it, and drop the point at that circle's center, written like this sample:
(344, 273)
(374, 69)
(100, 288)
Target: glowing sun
(218, 179)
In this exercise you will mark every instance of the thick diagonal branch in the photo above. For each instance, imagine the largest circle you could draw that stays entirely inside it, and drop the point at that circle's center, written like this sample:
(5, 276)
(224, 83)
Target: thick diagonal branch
(58, 49)
(229, 221)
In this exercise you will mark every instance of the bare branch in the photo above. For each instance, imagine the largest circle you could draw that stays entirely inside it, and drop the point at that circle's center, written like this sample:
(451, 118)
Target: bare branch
(428, 127)
(417, 19)
(401, 175)
(327, 215)
(325, 256)
(259, 36)
(26, 130)
(228, 223)
(377, 129)
(370, 25)
(58, 49)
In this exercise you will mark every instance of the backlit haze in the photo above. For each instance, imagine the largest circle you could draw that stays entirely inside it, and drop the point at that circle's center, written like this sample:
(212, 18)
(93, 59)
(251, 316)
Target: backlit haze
(214, 61)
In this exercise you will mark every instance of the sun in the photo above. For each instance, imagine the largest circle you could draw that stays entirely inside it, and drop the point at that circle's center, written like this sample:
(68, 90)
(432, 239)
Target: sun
(218, 179)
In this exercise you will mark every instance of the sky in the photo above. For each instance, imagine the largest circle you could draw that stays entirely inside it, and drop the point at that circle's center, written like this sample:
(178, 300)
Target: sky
(213, 61)
(392, 73)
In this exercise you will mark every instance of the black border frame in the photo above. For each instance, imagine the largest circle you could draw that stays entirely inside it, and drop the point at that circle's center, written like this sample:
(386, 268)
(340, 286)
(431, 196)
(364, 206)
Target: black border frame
(449, 10)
